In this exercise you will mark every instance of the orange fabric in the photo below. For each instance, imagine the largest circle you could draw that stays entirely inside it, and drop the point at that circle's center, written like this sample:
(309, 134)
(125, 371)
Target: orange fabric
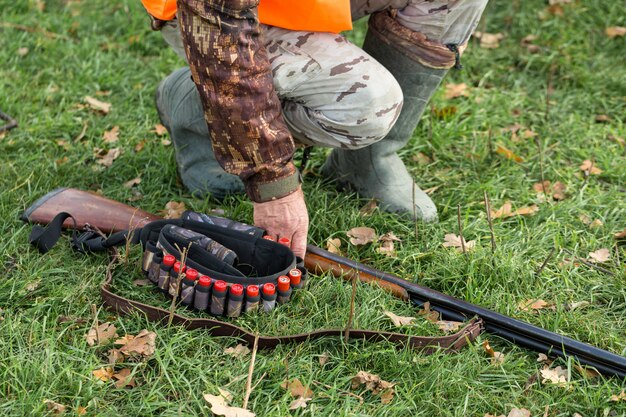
(314, 15)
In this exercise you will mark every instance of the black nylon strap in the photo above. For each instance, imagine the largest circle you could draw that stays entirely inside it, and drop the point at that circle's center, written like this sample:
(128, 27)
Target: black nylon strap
(44, 238)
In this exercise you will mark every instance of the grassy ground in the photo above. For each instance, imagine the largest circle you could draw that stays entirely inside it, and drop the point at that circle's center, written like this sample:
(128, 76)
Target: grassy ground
(107, 46)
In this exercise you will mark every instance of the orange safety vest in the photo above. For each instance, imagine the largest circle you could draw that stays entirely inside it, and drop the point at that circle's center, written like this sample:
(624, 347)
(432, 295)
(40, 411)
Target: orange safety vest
(314, 15)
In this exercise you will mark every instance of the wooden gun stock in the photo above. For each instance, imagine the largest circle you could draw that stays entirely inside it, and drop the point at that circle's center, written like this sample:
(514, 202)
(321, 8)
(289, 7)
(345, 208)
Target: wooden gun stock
(110, 216)
(87, 208)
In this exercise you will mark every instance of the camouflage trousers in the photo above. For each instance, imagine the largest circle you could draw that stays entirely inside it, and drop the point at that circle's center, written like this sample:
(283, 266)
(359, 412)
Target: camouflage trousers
(332, 92)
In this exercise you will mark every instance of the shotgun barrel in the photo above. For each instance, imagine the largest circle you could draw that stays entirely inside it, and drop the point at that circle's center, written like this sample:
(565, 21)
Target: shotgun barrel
(110, 216)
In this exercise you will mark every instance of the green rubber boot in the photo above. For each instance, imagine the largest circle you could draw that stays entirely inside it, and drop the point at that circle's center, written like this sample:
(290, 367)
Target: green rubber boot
(377, 171)
(180, 110)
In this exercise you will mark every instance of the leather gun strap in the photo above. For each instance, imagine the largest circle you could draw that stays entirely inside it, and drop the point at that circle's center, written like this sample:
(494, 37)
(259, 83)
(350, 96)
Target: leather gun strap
(427, 345)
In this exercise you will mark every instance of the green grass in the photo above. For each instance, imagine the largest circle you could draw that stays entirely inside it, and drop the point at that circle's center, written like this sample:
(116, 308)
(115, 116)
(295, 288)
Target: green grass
(107, 46)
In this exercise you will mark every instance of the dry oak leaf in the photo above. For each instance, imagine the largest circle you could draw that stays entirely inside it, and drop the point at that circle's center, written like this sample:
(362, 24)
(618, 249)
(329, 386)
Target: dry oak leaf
(508, 154)
(429, 315)
(22, 51)
(387, 247)
(101, 334)
(542, 357)
(98, 105)
(220, 407)
(159, 129)
(111, 136)
(103, 374)
(54, 407)
(173, 210)
(454, 241)
(374, 384)
(296, 388)
(369, 208)
(557, 376)
(114, 356)
(106, 158)
(398, 320)
(361, 235)
(533, 304)
(506, 211)
(557, 190)
(620, 397)
(599, 256)
(299, 402)
(324, 358)
(333, 245)
(32, 286)
(620, 235)
(237, 351)
(456, 90)
(132, 183)
(421, 158)
(489, 40)
(589, 168)
(588, 372)
(449, 326)
(615, 31)
(124, 379)
(142, 344)
(81, 411)
(518, 412)
(527, 42)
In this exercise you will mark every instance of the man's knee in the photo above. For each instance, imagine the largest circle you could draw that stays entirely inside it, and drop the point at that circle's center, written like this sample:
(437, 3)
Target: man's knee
(371, 112)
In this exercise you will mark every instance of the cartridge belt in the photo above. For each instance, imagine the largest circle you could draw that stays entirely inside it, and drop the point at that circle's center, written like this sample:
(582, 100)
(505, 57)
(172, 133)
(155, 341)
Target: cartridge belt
(223, 230)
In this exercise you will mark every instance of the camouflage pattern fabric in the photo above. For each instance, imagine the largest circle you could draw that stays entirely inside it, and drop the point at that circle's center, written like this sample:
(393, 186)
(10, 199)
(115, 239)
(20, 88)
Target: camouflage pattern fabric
(231, 69)
(331, 92)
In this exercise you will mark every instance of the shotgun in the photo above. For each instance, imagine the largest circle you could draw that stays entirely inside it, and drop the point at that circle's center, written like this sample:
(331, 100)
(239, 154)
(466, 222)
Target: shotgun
(89, 209)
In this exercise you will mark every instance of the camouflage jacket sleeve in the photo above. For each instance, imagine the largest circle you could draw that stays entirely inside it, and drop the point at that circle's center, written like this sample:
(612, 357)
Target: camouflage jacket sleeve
(230, 67)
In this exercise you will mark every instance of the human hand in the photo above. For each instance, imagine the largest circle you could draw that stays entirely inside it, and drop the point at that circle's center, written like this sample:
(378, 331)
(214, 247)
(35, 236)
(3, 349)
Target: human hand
(285, 217)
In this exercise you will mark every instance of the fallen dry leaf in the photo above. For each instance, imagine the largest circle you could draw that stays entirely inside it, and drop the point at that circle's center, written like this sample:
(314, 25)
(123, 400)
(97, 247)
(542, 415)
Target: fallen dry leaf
(173, 210)
(101, 334)
(422, 159)
(103, 374)
(124, 379)
(369, 208)
(508, 154)
(398, 320)
(98, 105)
(220, 407)
(602, 118)
(299, 402)
(142, 344)
(588, 372)
(374, 384)
(528, 43)
(556, 190)
(296, 388)
(449, 326)
(111, 136)
(456, 90)
(166, 142)
(114, 356)
(81, 411)
(617, 139)
(620, 235)
(361, 235)
(237, 351)
(542, 357)
(333, 245)
(106, 158)
(142, 282)
(429, 315)
(387, 247)
(615, 31)
(596, 224)
(533, 304)
(496, 357)
(599, 256)
(139, 146)
(324, 358)
(54, 407)
(506, 211)
(620, 397)
(132, 183)
(589, 168)
(159, 129)
(32, 286)
(454, 241)
(489, 40)
(577, 304)
(22, 51)
(518, 412)
(557, 376)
